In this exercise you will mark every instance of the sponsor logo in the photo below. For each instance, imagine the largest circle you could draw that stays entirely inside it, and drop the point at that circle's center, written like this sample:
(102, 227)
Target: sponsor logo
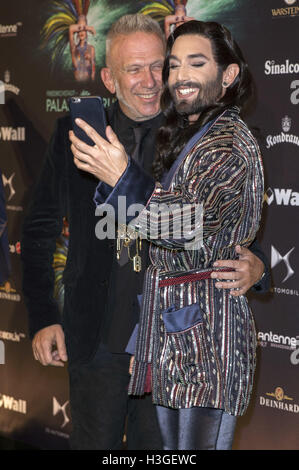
(12, 133)
(9, 30)
(12, 336)
(8, 293)
(2, 353)
(58, 408)
(15, 248)
(290, 10)
(279, 400)
(281, 197)
(13, 404)
(277, 258)
(8, 182)
(272, 68)
(9, 87)
(295, 94)
(2, 92)
(294, 358)
(10, 192)
(276, 340)
(283, 137)
(57, 100)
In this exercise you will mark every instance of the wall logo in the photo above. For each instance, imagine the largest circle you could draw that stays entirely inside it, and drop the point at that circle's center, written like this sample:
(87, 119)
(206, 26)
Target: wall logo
(279, 400)
(277, 258)
(9, 30)
(281, 197)
(8, 293)
(283, 137)
(12, 133)
(57, 408)
(13, 404)
(8, 182)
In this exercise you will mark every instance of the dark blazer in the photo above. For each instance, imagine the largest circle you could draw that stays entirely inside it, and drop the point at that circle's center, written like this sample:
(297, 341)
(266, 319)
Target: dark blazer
(63, 190)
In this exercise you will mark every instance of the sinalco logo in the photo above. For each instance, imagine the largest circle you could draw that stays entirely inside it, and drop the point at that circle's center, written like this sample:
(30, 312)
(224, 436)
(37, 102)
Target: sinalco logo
(284, 68)
(284, 137)
(279, 400)
(281, 197)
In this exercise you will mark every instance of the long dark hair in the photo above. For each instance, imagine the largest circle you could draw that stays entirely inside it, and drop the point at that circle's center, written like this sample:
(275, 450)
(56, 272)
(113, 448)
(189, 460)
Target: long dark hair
(176, 132)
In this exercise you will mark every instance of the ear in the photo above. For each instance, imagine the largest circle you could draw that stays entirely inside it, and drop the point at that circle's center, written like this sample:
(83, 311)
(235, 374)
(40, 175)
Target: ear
(230, 74)
(108, 80)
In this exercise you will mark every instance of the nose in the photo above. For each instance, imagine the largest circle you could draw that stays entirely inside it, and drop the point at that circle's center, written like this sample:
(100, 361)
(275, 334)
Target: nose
(182, 73)
(148, 78)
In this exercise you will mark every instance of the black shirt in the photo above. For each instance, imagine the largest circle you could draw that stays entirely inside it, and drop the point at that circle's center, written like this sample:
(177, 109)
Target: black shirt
(122, 310)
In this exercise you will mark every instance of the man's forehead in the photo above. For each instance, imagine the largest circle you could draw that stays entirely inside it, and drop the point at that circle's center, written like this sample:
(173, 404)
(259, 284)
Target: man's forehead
(138, 41)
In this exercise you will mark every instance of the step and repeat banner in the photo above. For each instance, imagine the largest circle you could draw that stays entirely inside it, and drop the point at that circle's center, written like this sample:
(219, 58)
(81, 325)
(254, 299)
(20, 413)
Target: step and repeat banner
(36, 80)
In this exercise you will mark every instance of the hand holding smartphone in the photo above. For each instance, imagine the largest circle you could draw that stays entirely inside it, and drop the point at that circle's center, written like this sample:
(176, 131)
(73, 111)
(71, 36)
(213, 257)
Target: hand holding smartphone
(91, 110)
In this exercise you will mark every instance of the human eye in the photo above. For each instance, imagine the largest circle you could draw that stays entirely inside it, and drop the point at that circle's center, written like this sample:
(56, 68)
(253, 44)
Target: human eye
(133, 70)
(173, 65)
(157, 66)
(198, 64)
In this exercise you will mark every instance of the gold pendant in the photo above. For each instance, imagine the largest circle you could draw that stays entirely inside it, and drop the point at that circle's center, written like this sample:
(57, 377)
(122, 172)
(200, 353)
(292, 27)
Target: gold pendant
(137, 263)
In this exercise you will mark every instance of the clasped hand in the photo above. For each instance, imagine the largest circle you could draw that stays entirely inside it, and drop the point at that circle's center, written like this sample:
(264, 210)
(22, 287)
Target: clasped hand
(107, 159)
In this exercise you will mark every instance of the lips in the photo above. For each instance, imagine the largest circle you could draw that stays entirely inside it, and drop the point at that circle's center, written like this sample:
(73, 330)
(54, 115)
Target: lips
(186, 91)
(148, 96)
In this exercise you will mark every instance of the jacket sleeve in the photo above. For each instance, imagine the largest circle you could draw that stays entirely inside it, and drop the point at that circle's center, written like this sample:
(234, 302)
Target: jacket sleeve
(263, 285)
(220, 182)
(42, 226)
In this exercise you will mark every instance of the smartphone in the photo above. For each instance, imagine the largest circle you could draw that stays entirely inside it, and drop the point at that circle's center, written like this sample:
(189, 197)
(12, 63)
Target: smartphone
(91, 110)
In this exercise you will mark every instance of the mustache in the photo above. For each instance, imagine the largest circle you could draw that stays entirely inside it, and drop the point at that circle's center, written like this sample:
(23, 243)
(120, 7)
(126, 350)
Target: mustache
(186, 84)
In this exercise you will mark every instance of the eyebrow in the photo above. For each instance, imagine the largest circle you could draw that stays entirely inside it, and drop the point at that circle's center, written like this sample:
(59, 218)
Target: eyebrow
(190, 56)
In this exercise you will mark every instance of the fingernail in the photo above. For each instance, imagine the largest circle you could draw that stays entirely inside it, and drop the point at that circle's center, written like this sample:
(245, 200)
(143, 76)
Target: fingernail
(215, 263)
(78, 120)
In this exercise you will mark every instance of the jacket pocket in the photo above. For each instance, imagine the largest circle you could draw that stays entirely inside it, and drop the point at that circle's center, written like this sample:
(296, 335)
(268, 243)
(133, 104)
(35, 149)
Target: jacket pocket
(182, 319)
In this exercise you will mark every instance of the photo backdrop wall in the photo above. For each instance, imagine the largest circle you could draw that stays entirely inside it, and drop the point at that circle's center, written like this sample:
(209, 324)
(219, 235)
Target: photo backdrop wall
(36, 79)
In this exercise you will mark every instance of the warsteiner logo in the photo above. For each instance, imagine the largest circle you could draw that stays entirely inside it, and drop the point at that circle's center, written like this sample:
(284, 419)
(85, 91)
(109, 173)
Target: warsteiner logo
(279, 400)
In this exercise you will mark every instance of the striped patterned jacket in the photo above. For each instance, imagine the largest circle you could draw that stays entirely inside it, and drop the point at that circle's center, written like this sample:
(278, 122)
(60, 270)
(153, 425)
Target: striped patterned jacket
(197, 342)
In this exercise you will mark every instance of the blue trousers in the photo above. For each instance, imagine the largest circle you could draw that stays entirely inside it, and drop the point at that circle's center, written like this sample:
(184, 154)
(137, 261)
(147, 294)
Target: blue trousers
(196, 428)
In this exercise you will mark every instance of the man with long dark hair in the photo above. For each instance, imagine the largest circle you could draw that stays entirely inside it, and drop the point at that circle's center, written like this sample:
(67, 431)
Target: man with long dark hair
(196, 344)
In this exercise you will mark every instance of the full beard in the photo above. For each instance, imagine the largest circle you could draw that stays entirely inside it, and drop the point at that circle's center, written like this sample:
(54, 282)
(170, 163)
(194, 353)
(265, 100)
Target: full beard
(208, 95)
